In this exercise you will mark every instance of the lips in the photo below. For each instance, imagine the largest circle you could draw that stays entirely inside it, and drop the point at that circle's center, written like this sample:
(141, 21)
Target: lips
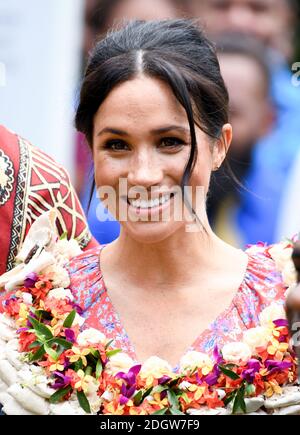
(151, 203)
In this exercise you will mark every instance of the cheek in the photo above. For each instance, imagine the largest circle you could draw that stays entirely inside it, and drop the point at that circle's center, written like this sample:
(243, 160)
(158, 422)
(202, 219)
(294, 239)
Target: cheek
(202, 170)
(107, 172)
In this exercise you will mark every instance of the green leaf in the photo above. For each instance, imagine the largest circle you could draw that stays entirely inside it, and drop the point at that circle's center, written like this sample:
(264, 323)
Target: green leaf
(229, 373)
(137, 400)
(159, 389)
(108, 344)
(59, 394)
(95, 352)
(250, 389)
(99, 369)
(34, 344)
(83, 402)
(160, 411)
(38, 354)
(113, 352)
(54, 355)
(61, 341)
(42, 314)
(147, 392)
(88, 371)
(185, 397)
(40, 329)
(173, 400)
(78, 365)
(175, 411)
(239, 401)
(229, 398)
(69, 319)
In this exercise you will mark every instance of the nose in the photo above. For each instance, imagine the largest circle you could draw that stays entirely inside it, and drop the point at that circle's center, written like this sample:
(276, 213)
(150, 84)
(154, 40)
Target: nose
(145, 169)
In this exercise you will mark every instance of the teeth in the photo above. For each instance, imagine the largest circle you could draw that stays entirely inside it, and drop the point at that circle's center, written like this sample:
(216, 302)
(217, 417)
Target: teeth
(149, 204)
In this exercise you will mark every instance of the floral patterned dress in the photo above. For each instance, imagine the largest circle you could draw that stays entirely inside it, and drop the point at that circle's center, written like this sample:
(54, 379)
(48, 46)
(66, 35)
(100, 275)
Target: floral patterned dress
(262, 285)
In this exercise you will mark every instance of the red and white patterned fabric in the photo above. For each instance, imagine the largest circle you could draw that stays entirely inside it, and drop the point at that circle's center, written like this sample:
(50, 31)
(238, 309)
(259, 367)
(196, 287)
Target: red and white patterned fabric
(31, 183)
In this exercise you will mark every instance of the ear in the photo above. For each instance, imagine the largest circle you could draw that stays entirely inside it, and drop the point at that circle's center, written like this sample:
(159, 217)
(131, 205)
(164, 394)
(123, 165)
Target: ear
(221, 146)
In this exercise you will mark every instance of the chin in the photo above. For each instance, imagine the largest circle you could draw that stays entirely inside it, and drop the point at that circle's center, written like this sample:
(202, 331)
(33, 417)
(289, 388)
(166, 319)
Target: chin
(151, 232)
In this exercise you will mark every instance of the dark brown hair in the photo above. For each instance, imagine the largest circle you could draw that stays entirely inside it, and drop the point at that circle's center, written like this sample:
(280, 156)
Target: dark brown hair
(174, 51)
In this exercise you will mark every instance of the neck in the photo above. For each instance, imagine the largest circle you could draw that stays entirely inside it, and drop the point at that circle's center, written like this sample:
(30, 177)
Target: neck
(166, 263)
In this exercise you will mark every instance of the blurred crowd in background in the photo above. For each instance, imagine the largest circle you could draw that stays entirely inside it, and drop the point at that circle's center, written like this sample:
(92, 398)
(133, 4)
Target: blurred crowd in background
(254, 196)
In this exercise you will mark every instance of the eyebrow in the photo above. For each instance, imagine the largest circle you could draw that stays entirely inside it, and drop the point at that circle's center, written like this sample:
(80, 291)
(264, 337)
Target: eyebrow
(154, 131)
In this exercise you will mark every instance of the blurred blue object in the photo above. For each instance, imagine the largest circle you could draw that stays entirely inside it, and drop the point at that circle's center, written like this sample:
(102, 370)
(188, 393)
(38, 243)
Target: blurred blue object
(103, 226)
(273, 159)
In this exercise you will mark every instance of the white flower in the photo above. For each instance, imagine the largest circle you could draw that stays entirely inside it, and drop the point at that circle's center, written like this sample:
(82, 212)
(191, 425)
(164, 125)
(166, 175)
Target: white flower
(60, 293)
(155, 367)
(236, 353)
(257, 337)
(59, 276)
(272, 312)
(184, 385)
(121, 362)
(108, 396)
(27, 298)
(193, 359)
(92, 386)
(64, 250)
(78, 320)
(90, 336)
(282, 255)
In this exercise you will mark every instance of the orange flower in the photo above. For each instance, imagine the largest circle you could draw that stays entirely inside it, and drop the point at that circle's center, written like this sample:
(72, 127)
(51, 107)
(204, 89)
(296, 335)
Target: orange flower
(25, 340)
(41, 287)
(278, 349)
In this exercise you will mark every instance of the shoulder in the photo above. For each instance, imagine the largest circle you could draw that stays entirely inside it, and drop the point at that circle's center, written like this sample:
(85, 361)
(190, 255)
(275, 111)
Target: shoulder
(265, 281)
(86, 281)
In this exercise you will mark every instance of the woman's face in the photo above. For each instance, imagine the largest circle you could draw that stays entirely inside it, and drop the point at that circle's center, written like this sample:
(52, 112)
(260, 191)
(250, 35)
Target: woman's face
(141, 144)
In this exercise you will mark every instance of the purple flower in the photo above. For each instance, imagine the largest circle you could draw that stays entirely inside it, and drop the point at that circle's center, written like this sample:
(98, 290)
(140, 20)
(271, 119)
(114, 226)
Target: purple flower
(61, 381)
(123, 400)
(249, 374)
(130, 377)
(163, 394)
(164, 379)
(217, 355)
(126, 394)
(275, 366)
(280, 322)
(253, 364)
(78, 309)
(22, 330)
(212, 378)
(129, 386)
(30, 280)
(70, 335)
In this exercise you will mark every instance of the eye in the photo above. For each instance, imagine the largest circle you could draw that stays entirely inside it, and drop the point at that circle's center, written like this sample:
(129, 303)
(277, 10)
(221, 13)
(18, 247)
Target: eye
(116, 145)
(171, 142)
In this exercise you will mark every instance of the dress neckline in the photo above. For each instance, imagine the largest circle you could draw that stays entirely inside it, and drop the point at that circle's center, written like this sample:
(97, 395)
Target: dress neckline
(202, 334)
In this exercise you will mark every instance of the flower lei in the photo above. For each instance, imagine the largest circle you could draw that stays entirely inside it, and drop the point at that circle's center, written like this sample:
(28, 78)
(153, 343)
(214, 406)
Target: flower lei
(54, 366)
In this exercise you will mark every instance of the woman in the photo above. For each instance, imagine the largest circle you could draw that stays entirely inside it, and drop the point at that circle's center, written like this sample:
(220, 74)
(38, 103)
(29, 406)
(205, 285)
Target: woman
(154, 109)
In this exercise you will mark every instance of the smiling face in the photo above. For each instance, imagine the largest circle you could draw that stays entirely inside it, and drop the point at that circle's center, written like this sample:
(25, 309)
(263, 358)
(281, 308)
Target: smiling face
(141, 135)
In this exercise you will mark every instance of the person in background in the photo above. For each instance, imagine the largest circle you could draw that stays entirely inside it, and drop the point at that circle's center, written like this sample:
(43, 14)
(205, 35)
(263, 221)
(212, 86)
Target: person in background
(31, 183)
(273, 22)
(247, 77)
(101, 16)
